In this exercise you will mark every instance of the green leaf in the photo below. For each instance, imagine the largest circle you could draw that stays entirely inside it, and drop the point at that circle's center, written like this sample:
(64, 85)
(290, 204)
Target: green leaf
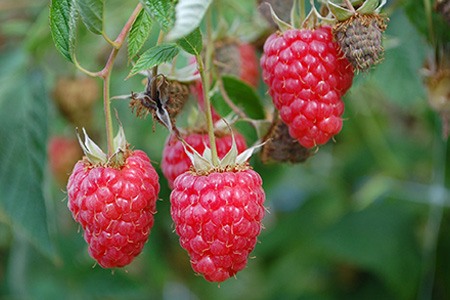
(91, 12)
(63, 23)
(401, 63)
(139, 33)
(23, 132)
(163, 11)
(381, 239)
(155, 56)
(242, 95)
(192, 43)
(188, 15)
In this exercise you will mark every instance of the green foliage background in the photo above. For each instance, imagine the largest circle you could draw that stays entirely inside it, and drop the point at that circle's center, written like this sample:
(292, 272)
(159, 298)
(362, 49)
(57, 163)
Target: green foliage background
(365, 218)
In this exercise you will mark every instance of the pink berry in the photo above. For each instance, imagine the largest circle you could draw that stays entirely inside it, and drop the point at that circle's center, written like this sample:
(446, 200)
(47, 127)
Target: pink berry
(307, 75)
(115, 207)
(218, 218)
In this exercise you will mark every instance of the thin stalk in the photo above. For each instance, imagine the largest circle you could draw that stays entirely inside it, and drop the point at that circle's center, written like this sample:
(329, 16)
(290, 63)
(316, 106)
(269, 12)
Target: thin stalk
(428, 14)
(205, 70)
(437, 201)
(106, 75)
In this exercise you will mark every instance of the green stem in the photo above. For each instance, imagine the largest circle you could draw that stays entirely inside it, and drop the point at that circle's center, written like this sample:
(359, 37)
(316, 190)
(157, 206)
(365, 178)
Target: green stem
(204, 70)
(106, 75)
(428, 14)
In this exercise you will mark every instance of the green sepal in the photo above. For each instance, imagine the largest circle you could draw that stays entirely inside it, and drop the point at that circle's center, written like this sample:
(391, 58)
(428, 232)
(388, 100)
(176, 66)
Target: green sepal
(92, 151)
(371, 6)
(340, 13)
(283, 26)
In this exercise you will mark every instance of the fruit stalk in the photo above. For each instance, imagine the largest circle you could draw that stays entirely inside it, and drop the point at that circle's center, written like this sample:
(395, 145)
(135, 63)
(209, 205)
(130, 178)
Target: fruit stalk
(105, 74)
(204, 70)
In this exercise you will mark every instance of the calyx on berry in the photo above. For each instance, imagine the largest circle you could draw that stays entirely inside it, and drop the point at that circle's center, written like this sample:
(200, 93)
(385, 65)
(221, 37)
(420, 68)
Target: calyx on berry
(203, 163)
(367, 7)
(95, 155)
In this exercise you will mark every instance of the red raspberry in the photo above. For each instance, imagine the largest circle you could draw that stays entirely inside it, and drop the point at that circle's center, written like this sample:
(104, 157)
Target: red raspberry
(307, 76)
(249, 64)
(115, 207)
(63, 153)
(218, 218)
(175, 161)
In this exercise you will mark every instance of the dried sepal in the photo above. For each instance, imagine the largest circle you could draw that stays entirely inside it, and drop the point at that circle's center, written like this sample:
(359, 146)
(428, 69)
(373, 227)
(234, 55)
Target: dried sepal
(91, 150)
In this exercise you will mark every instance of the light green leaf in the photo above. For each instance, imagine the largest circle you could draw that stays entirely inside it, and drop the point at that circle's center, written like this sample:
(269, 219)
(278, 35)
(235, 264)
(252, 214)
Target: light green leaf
(163, 11)
(139, 33)
(24, 132)
(91, 12)
(242, 95)
(155, 56)
(188, 15)
(192, 43)
(63, 23)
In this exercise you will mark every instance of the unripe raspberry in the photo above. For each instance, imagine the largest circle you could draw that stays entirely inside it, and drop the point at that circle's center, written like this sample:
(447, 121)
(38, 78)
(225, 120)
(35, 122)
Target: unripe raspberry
(218, 218)
(175, 161)
(307, 76)
(114, 206)
(360, 38)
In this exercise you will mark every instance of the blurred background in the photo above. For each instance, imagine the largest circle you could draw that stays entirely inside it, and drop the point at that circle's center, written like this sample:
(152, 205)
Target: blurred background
(365, 218)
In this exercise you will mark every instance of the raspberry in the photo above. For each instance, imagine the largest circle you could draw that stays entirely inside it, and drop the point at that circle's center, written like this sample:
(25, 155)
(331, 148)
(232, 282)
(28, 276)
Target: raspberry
(279, 146)
(115, 207)
(63, 153)
(218, 218)
(307, 76)
(239, 59)
(175, 161)
(360, 38)
(75, 99)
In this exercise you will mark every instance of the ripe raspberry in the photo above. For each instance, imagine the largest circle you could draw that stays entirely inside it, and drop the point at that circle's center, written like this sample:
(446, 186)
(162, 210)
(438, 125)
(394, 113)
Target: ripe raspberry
(175, 161)
(63, 153)
(115, 206)
(218, 218)
(360, 38)
(239, 59)
(307, 76)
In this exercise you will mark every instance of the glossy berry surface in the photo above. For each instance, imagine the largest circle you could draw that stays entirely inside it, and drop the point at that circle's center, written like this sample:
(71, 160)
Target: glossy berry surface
(115, 207)
(307, 75)
(175, 161)
(218, 218)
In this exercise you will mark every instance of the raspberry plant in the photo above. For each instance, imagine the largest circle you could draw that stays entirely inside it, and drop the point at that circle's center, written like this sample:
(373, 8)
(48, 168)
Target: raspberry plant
(334, 225)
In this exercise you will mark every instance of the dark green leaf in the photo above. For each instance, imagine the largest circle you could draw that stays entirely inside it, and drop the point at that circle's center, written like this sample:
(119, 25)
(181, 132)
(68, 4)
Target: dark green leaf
(63, 21)
(23, 132)
(163, 11)
(242, 95)
(155, 56)
(192, 43)
(91, 12)
(380, 239)
(139, 33)
(188, 16)
(401, 64)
